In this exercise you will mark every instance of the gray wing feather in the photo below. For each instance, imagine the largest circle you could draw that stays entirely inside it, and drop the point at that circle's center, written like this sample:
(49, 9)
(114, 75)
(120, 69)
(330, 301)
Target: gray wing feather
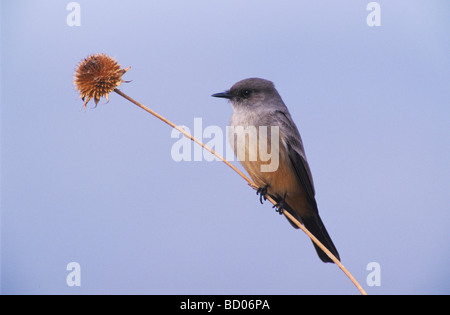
(297, 155)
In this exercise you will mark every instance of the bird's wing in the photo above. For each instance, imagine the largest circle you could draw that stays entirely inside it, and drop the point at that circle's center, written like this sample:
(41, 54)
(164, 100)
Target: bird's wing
(294, 146)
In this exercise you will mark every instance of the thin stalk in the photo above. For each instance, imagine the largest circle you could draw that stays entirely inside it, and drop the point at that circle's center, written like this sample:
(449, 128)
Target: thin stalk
(250, 182)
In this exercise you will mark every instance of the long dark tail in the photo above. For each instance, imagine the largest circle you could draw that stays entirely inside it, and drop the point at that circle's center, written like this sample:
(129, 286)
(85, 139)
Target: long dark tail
(315, 225)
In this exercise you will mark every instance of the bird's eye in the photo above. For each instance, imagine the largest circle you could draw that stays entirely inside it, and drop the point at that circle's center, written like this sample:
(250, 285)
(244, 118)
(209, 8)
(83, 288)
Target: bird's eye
(246, 93)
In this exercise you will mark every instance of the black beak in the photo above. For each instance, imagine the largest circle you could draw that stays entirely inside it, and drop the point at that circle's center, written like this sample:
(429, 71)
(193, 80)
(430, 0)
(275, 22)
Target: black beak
(225, 94)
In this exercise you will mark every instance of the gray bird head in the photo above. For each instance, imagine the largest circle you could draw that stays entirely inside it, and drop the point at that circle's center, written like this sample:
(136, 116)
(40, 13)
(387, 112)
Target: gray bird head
(253, 92)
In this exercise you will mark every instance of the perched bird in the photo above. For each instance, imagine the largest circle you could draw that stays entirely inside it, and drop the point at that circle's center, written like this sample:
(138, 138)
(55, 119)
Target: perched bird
(256, 103)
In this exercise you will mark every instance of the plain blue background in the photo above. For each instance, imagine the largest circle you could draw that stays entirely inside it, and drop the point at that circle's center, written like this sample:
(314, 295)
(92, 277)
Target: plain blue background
(99, 187)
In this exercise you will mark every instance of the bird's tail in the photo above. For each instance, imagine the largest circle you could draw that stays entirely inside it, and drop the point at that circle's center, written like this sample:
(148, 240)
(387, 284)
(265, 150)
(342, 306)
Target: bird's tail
(315, 225)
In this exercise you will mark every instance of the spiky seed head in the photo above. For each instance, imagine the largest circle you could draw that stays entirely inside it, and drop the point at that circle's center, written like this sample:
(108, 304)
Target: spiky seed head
(96, 76)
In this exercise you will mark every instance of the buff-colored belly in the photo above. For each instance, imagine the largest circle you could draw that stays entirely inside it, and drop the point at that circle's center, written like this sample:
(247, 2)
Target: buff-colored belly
(281, 182)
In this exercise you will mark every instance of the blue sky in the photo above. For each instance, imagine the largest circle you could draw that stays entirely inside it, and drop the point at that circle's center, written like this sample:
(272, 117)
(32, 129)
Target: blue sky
(99, 186)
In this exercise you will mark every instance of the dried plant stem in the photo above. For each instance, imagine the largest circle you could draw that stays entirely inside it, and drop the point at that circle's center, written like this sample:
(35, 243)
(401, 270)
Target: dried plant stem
(250, 182)
(318, 243)
(186, 134)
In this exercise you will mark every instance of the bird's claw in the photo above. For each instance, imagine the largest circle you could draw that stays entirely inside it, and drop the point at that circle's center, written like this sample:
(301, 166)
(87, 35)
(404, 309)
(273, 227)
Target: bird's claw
(281, 205)
(262, 191)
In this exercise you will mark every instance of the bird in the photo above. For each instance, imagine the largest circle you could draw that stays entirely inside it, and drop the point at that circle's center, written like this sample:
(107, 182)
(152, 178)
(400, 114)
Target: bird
(258, 106)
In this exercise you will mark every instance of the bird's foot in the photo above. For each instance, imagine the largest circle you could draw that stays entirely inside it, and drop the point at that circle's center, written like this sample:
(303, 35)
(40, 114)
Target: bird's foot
(280, 205)
(262, 191)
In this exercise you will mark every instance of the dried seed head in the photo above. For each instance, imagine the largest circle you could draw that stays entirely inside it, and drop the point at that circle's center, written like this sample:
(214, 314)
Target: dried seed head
(96, 76)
